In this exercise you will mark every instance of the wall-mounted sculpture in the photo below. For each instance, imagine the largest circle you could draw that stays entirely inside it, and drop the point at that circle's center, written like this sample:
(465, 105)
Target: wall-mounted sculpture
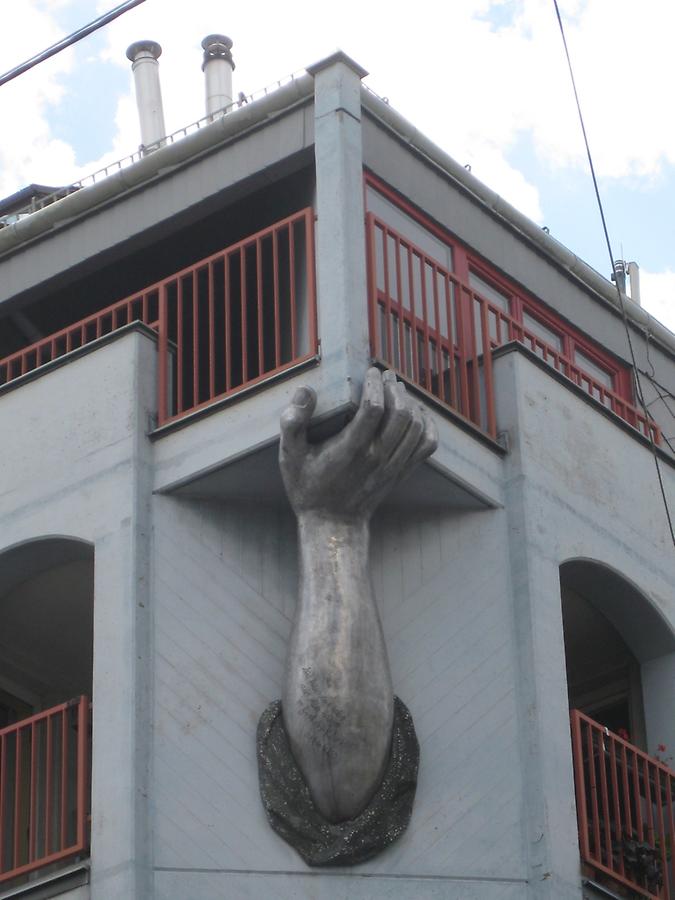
(338, 755)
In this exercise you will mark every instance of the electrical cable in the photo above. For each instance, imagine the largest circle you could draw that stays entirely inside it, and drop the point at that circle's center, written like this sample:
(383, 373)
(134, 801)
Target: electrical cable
(624, 315)
(68, 41)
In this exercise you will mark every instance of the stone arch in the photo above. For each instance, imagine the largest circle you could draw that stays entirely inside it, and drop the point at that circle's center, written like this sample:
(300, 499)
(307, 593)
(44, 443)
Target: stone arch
(620, 652)
(46, 611)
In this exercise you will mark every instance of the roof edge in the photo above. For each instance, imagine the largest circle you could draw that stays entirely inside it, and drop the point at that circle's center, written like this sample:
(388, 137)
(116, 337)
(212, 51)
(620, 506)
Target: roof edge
(165, 158)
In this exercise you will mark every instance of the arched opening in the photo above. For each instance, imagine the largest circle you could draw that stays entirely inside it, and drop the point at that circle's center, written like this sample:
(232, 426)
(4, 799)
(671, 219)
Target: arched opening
(46, 657)
(620, 657)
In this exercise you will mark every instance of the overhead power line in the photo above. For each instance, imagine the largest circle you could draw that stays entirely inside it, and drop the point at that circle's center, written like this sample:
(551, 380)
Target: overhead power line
(622, 306)
(70, 40)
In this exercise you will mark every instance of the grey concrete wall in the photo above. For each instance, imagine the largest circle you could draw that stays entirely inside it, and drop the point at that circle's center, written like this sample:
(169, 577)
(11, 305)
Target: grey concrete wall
(78, 465)
(225, 583)
(577, 487)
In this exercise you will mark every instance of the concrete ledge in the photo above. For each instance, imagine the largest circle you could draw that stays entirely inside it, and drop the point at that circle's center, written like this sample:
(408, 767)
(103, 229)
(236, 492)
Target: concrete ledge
(103, 341)
(66, 879)
(517, 347)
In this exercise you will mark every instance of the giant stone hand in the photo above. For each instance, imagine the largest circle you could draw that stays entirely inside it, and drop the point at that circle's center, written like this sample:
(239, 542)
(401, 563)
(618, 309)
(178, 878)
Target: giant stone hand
(338, 701)
(348, 475)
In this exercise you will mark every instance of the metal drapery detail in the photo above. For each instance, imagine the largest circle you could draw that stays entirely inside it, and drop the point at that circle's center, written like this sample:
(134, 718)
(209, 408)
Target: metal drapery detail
(44, 789)
(293, 815)
(339, 755)
(625, 809)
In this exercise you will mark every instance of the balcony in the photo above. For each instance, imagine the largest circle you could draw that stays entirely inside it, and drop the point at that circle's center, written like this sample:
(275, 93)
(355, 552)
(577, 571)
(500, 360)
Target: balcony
(625, 810)
(239, 317)
(437, 312)
(44, 790)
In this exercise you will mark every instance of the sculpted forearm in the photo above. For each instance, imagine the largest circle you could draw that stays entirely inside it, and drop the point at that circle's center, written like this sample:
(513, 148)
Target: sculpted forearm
(338, 702)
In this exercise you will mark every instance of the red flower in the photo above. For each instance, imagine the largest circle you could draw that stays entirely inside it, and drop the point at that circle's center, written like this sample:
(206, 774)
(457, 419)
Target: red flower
(661, 748)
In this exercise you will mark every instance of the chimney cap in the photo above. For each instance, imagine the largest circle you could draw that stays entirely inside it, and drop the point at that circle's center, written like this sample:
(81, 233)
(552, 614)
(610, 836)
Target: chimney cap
(151, 47)
(217, 46)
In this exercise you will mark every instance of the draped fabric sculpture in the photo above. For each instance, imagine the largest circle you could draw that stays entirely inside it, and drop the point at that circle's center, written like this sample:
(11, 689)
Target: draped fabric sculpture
(338, 755)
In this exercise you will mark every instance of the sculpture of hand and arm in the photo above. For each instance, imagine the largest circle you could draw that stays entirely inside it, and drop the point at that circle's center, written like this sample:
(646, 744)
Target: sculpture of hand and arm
(338, 701)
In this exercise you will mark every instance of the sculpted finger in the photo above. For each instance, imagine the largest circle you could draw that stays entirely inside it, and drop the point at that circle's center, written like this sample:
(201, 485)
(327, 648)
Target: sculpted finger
(295, 419)
(428, 442)
(397, 414)
(357, 436)
(408, 444)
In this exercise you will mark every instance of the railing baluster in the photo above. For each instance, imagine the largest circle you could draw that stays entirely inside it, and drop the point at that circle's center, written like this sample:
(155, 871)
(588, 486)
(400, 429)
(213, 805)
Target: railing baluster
(63, 842)
(387, 298)
(291, 269)
(413, 317)
(259, 297)
(163, 356)
(48, 787)
(3, 797)
(179, 345)
(244, 310)
(195, 338)
(312, 328)
(275, 277)
(227, 299)
(82, 769)
(618, 828)
(402, 361)
(212, 334)
(449, 292)
(32, 808)
(17, 796)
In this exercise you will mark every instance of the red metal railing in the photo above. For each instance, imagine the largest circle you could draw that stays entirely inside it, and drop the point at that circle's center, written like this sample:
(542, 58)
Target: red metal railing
(225, 323)
(625, 809)
(238, 317)
(139, 308)
(440, 333)
(44, 789)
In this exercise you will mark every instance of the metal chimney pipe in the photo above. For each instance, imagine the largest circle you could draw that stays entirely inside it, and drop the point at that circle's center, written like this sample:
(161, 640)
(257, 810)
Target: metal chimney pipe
(144, 65)
(634, 278)
(217, 67)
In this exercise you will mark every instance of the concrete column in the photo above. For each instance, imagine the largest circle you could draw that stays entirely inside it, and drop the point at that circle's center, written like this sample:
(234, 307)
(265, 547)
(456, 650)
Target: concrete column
(121, 848)
(549, 811)
(340, 233)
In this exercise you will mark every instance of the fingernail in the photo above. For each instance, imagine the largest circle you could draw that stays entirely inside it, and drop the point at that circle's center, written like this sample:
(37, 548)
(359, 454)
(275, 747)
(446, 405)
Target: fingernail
(302, 397)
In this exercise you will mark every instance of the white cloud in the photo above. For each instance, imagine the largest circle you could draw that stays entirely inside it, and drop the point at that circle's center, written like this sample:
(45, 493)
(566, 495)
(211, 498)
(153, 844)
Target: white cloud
(473, 85)
(27, 146)
(657, 292)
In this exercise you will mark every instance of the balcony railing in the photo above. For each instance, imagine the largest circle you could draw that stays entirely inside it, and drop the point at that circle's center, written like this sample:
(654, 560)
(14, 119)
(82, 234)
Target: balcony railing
(44, 789)
(225, 323)
(440, 333)
(625, 809)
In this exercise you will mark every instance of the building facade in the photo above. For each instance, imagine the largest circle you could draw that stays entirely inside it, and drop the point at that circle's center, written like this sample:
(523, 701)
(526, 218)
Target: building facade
(154, 326)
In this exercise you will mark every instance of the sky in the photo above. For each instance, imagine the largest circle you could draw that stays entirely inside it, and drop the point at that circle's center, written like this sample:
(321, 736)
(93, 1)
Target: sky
(487, 80)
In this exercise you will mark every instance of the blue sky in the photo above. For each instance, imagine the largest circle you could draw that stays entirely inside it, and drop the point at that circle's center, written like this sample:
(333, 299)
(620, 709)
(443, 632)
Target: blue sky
(485, 79)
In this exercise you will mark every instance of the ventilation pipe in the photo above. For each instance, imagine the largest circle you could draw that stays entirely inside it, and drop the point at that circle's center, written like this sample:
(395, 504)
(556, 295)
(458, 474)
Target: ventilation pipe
(217, 68)
(634, 278)
(144, 65)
